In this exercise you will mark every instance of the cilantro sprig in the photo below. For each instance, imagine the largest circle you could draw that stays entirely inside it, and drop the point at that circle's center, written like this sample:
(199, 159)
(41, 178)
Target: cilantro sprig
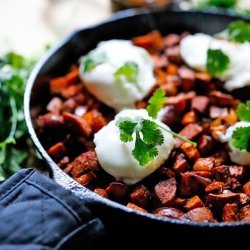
(217, 62)
(241, 135)
(147, 133)
(92, 60)
(239, 31)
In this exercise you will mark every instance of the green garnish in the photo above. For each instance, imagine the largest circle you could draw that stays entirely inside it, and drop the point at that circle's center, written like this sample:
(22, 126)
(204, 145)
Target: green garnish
(129, 70)
(92, 60)
(147, 133)
(14, 71)
(243, 111)
(156, 102)
(217, 62)
(239, 31)
(241, 138)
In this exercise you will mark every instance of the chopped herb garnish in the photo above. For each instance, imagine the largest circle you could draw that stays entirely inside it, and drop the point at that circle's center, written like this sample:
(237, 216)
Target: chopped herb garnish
(222, 3)
(217, 62)
(239, 31)
(129, 70)
(92, 60)
(148, 134)
(243, 111)
(156, 102)
(241, 138)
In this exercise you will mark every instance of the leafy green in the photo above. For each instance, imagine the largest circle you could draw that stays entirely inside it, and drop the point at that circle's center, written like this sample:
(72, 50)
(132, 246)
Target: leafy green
(156, 102)
(217, 62)
(239, 31)
(92, 60)
(241, 138)
(14, 71)
(243, 111)
(147, 133)
(129, 70)
(222, 3)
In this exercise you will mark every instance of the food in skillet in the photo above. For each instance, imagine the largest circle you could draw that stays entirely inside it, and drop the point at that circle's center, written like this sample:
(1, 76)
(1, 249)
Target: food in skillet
(155, 124)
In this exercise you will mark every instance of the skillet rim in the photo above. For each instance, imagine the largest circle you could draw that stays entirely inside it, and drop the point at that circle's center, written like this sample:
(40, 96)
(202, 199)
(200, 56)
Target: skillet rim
(65, 180)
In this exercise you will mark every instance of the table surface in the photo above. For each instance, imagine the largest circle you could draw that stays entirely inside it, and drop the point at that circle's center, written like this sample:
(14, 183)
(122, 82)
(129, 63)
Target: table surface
(28, 25)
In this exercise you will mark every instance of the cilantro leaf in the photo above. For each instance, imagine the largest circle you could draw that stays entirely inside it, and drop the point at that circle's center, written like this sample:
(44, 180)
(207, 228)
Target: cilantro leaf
(243, 111)
(127, 129)
(222, 3)
(129, 70)
(241, 138)
(239, 31)
(92, 60)
(156, 102)
(143, 152)
(217, 62)
(151, 132)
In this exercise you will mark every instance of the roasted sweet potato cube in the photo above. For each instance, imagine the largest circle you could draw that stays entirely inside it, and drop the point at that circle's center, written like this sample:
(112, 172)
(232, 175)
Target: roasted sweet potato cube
(95, 119)
(84, 163)
(57, 85)
(165, 191)
(73, 76)
(57, 151)
(187, 76)
(172, 69)
(140, 196)
(203, 77)
(77, 125)
(189, 117)
(193, 203)
(180, 164)
(86, 179)
(231, 118)
(246, 188)
(215, 187)
(117, 190)
(205, 174)
(71, 91)
(245, 213)
(171, 213)
(135, 207)
(230, 213)
(101, 192)
(204, 164)
(200, 214)
(205, 144)
(190, 151)
(215, 129)
(200, 104)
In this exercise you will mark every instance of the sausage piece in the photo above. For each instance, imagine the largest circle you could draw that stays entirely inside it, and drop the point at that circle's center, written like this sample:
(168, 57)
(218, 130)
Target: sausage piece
(171, 213)
(230, 213)
(117, 190)
(140, 196)
(200, 214)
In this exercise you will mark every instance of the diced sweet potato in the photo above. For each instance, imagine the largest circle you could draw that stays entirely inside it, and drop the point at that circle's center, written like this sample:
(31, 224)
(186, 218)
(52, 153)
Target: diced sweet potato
(77, 125)
(57, 151)
(173, 54)
(140, 196)
(187, 78)
(216, 202)
(200, 214)
(215, 112)
(135, 207)
(73, 76)
(191, 131)
(231, 118)
(237, 172)
(188, 186)
(189, 117)
(86, 179)
(170, 86)
(215, 187)
(215, 129)
(203, 77)
(205, 144)
(190, 151)
(95, 120)
(200, 104)
(246, 188)
(55, 106)
(180, 164)
(230, 213)
(172, 69)
(84, 163)
(153, 41)
(180, 202)
(221, 99)
(58, 84)
(205, 174)
(117, 190)
(71, 91)
(101, 192)
(204, 164)
(245, 213)
(171, 40)
(165, 191)
(193, 203)
(171, 213)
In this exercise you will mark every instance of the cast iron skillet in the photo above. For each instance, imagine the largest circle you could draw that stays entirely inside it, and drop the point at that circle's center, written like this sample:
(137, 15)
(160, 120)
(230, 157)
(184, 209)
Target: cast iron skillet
(123, 25)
